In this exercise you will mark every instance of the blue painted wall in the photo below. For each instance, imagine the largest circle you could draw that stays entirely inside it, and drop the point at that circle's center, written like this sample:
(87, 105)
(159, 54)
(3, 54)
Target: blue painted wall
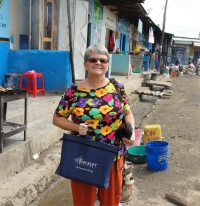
(120, 64)
(147, 45)
(4, 48)
(55, 66)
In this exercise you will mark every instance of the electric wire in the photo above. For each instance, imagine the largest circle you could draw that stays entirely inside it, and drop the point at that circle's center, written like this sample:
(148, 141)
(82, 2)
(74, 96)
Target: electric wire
(191, 10)
(191, 6)
(187, 9)
(182, 27)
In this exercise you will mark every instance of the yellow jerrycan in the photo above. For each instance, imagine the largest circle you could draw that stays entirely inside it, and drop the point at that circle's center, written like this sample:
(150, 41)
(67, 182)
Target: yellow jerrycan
(152, 133)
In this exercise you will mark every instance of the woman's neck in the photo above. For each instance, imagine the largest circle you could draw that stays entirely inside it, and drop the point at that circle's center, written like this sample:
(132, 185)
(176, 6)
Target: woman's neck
(93, 83)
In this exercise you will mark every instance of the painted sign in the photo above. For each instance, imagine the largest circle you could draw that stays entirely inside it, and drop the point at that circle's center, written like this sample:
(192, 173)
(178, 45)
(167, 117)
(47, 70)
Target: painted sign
(151, 36)
(97, 12)
(97, 34)
(4, 19)
(197, 44)
(140, 25)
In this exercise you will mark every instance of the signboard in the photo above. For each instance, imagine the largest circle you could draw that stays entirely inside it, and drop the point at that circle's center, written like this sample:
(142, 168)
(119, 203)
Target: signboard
(97, 12)
(140, 25)
(196, 44)
(151, 36)
(4, 18)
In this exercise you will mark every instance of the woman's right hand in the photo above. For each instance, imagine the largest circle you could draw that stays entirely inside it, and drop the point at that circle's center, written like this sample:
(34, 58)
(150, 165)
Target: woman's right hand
(83, 127)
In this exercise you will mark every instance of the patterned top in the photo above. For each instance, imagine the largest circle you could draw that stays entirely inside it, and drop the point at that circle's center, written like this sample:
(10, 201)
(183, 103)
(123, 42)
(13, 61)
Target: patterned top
(101, 108)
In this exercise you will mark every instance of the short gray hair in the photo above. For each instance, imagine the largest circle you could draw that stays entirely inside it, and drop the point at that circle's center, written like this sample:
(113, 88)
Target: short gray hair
(97, 48)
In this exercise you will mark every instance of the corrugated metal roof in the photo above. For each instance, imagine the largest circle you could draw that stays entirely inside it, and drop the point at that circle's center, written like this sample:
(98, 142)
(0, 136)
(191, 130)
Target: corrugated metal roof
(179, 40)
(182, 42)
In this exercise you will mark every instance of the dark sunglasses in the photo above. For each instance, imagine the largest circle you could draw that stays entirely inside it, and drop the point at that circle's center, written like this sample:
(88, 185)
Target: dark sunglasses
(94, 60)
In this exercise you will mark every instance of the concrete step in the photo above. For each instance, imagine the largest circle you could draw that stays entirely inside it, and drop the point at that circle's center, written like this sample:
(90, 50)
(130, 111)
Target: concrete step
(41, 134)
(131, 82)
(37, 107)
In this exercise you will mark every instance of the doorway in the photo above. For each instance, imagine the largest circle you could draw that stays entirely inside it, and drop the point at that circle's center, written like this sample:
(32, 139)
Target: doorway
(124, 42)
(110, 40)
(47, 24)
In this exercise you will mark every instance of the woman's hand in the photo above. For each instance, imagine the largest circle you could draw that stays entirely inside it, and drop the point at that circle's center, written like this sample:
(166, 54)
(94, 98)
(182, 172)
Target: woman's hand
(83, 128)
(129, 142)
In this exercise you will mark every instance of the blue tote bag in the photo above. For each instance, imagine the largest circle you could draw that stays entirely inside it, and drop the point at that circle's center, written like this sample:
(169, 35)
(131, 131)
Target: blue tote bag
(86, 161)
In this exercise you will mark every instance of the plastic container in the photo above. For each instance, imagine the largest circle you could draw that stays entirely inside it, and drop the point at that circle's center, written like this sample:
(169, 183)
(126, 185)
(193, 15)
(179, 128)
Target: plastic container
(138, 137)
(157, 155)
(178, 74)
(137, 71)
(152, 133)
(137, 154)
(163, 70)
(174, 74)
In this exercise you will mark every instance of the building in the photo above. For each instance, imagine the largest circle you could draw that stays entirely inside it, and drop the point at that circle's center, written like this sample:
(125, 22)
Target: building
(38, 35)
(186, 49)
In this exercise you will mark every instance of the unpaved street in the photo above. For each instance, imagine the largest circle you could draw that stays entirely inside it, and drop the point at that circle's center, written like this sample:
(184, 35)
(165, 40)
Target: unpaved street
(179, 118)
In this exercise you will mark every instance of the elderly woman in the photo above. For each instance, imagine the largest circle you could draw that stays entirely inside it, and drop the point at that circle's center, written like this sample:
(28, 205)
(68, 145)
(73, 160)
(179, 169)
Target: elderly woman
(94, 103)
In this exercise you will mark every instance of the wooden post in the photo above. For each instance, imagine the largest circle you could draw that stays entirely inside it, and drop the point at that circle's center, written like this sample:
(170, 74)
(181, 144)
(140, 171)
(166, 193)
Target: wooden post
(70, 41)
(163, 30)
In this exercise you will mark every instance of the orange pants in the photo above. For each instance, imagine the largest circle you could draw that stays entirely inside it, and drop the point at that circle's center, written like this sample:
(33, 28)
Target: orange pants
(85, 195)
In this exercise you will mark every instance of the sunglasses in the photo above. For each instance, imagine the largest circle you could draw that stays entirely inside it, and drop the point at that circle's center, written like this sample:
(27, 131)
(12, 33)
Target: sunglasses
(94, 60)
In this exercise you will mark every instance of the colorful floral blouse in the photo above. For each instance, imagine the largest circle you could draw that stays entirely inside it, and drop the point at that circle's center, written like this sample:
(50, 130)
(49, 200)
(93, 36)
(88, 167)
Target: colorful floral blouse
(101, 108)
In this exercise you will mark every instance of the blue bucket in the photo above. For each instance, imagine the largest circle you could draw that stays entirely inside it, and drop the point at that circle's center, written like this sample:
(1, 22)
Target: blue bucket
(157, 155)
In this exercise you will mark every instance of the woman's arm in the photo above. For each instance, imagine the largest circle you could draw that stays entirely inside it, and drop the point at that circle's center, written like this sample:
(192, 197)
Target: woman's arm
(128, 115)
(66, 124)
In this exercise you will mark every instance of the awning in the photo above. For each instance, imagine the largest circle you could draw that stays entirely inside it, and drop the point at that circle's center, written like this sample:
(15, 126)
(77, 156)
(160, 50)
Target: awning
(182, 42)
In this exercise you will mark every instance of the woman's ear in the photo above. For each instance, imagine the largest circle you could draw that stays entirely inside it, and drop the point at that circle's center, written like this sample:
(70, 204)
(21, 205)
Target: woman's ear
(84, 63)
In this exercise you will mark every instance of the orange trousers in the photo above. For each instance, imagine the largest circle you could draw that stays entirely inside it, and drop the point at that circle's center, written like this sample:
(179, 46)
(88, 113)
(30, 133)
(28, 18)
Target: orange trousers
(85, 195)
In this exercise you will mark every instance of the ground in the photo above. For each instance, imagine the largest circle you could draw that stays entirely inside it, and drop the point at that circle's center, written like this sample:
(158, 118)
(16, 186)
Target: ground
(180, 125)
(179, 118)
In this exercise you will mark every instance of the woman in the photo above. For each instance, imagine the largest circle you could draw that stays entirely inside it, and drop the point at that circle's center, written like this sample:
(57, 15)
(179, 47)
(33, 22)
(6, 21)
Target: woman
(94, 103)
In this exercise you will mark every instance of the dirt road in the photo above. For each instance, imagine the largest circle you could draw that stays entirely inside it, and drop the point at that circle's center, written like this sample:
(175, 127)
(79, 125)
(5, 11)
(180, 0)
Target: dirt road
(179, 118)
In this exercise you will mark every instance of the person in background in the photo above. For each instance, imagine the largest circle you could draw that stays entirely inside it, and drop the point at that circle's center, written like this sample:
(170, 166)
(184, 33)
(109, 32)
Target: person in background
(177, 62)
(149, 54)
(117, 51)
(95, 107)
(198, 64)
(152, 63)
(156, 60)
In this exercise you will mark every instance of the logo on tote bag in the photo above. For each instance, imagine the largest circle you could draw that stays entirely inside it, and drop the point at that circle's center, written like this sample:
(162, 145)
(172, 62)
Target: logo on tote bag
(81, 162)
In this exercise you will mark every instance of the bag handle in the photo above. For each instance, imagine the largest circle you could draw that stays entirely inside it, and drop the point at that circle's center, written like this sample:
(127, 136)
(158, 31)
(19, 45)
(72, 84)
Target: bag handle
(96, 136)
(113, 81)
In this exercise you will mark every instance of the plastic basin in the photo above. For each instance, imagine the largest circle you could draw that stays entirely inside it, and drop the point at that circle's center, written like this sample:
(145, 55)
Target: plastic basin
(137, 154)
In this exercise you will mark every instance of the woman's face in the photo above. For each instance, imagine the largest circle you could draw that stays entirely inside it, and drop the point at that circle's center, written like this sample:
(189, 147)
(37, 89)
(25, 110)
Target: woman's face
(96, 64)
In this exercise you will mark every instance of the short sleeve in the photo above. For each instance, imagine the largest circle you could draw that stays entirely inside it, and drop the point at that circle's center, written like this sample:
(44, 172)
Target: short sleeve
(124, 95)
(65, 105)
